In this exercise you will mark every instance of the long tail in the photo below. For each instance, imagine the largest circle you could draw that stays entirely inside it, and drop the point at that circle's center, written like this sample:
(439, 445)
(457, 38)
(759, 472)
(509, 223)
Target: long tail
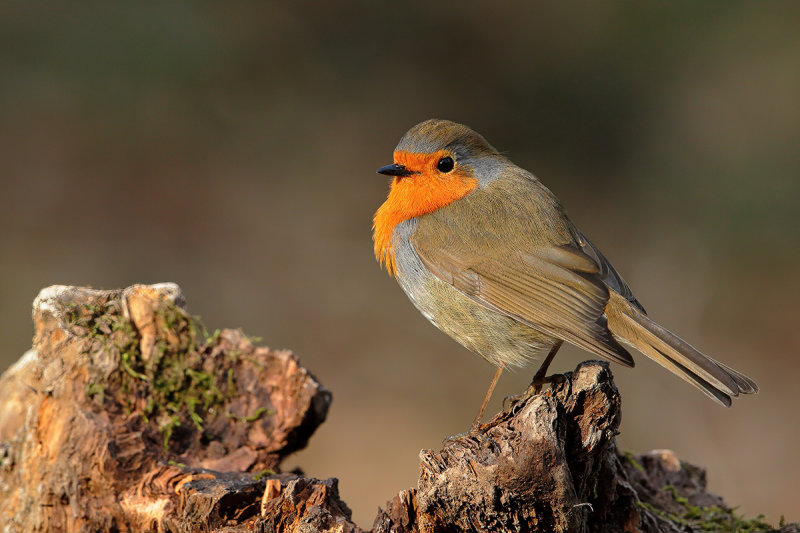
(631, 326)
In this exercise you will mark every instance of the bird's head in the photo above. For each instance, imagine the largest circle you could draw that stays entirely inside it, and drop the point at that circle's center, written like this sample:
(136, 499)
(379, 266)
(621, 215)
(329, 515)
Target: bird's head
(435, 163)
(439, 150)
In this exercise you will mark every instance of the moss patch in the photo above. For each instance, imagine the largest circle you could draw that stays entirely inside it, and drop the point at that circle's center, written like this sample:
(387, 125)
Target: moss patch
(711, 518)
(264, 473)
(632, 460)
(171, 390)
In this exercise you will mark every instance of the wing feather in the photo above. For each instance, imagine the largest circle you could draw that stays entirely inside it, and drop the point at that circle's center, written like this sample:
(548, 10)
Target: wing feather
(607, 272)
(552, 289)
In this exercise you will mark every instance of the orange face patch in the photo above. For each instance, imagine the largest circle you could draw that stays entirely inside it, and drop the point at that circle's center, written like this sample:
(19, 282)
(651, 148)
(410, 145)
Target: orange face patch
(416, 195)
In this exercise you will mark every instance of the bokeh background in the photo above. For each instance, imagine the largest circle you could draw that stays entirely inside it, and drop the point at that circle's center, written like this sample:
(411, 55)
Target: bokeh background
(232, 148)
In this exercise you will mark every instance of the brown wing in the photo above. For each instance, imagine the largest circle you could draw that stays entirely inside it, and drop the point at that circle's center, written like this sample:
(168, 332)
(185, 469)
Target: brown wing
(555, 289)
(608, 273)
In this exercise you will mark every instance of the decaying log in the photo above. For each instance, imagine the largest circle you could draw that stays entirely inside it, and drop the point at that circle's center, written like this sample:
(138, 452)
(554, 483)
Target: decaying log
(125, 409)
(128, 416)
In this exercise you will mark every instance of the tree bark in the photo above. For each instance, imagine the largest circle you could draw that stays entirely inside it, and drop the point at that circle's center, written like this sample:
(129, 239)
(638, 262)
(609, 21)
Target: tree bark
(128, 416)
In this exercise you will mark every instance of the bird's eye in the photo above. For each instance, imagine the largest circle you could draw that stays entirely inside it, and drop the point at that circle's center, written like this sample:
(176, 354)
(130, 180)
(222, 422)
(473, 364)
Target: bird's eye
(445, 164)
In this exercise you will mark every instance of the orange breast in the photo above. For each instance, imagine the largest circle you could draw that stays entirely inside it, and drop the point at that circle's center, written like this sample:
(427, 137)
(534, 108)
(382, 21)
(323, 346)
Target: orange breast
(414, 196)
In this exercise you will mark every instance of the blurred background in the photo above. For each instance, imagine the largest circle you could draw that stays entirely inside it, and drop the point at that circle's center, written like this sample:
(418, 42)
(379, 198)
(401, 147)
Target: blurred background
(232, 149)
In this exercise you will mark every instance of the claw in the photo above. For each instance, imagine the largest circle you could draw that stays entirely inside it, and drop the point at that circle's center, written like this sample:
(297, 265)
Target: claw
(515, 400)
(539, 381)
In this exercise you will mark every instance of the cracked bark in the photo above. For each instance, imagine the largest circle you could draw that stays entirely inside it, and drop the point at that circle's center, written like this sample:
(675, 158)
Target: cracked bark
(126, 416)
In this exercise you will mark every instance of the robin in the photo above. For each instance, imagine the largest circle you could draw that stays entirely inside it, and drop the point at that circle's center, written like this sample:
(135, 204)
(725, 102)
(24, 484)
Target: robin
(489, 256)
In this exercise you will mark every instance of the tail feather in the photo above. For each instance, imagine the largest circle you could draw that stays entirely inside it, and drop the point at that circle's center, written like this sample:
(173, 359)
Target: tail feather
(687, 375)
(670, 344)
(746, 385)
(631, 326)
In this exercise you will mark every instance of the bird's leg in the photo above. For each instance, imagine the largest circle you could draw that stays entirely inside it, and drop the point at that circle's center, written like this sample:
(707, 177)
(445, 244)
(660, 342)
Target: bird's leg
(486, 398)
(541, 377)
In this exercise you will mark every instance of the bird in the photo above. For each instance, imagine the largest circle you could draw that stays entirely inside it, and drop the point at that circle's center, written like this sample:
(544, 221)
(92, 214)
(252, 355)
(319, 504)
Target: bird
(489, 256)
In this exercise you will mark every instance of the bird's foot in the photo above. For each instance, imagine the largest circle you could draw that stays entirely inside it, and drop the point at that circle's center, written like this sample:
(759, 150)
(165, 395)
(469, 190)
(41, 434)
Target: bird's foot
(533, 389)
(552, 379)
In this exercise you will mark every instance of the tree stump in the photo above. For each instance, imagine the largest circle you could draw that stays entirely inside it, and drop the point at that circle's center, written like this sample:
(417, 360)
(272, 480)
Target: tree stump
(127, 415)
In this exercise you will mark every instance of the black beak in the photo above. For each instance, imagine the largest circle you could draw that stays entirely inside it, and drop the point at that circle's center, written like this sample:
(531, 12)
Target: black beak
(395, 170)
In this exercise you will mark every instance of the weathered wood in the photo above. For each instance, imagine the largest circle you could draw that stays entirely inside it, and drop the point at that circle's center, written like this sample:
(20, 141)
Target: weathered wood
(127, 416)
(125, 412)
(550, 463)
(532, 468)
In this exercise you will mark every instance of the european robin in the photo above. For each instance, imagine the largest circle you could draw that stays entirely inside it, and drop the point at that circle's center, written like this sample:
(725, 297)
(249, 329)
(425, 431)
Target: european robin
(489, 256)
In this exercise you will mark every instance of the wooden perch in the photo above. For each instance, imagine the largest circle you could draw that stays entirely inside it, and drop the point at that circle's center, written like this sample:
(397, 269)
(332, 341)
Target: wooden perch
(128, 416)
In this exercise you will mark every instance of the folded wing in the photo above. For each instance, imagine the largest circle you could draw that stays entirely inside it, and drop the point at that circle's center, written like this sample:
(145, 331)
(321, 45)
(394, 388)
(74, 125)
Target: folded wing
(554, 289)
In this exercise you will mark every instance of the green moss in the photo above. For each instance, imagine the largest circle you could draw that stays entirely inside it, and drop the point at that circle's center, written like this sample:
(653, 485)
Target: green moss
(256, 362)
(231, 383)
(675, 519)
(170, 388)
(632, 460)
(96, 391)
(707, 518)
(213, 337)
(126, 361)
(168, 428)
(263, 473)
(675, 496)
(250, 418)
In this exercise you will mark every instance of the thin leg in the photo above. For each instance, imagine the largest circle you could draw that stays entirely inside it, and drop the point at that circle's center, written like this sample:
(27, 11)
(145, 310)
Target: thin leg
(486, 398)
(540, 377)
